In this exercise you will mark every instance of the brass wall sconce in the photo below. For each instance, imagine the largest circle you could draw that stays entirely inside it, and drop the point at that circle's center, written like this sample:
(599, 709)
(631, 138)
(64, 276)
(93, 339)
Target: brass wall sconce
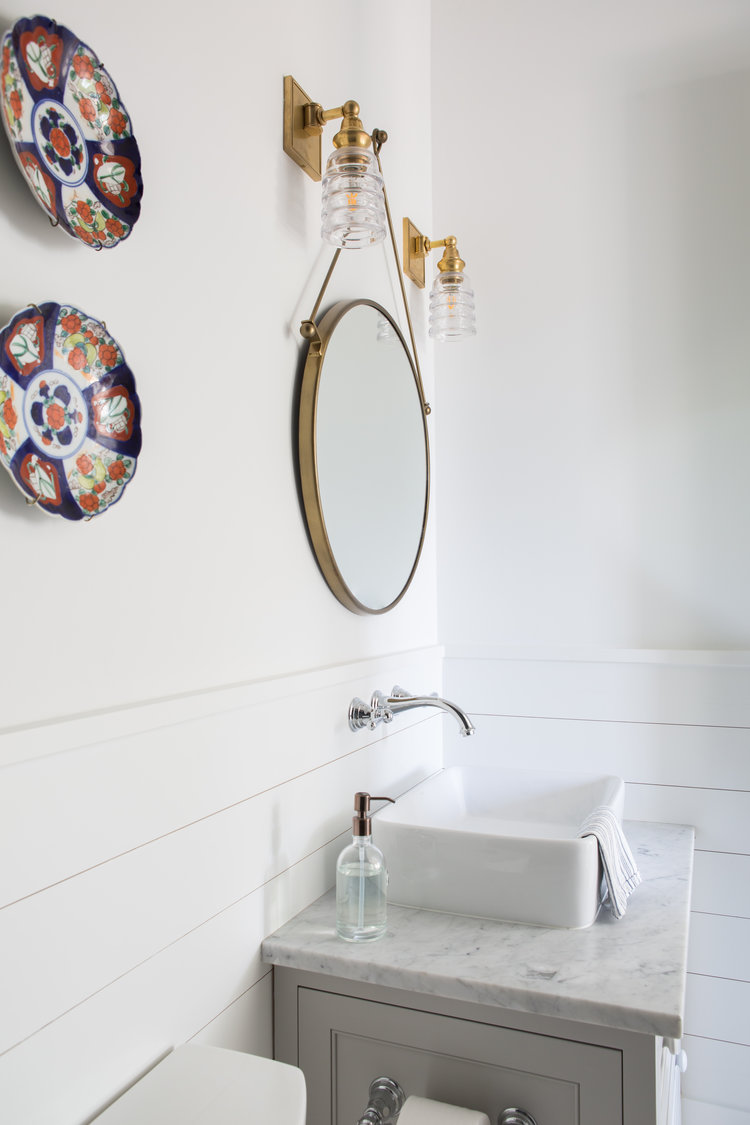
(362, 418)
(354, 192)
(353, 206)
(452, 309)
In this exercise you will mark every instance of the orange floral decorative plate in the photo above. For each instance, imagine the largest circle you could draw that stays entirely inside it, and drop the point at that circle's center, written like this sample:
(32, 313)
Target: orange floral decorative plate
(70, 418)
(70, 133)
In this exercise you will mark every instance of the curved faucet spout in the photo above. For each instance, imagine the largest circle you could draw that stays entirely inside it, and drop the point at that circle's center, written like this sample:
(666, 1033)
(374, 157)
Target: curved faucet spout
(383, 707)
(401, 700)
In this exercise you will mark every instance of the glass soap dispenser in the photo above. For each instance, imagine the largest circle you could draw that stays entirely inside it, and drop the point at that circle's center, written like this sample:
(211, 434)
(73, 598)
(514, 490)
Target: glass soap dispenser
(361, 879)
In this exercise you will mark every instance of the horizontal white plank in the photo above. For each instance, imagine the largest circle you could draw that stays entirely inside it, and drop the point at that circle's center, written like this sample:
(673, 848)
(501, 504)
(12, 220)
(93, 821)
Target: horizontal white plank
(711, 757)
(66, 942)
(721, 883)
(701, 1113)
(636, 691)
(718, 1009)
(25, 743)
(78, 1063)
(717, 1074)
(586, 654)
(719, 946)
(720, 817)
(66, 813)
(246, 1024)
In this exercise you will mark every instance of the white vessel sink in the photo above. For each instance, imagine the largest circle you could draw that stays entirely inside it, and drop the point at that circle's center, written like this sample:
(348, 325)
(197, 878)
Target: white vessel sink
(498, 843)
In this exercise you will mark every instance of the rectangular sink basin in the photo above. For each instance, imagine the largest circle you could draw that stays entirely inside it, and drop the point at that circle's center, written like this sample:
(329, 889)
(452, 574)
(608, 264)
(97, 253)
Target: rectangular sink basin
(498, 843)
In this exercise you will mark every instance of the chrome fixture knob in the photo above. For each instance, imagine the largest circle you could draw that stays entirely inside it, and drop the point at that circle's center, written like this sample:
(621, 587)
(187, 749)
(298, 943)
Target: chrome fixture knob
(360, 715)
(515, 1117)
(386, 1100)
(380, 710)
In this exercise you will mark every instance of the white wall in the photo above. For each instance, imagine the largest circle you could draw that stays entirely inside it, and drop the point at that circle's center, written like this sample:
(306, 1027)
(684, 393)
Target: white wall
(202, 576)
(176, 771)
(593, 441)
(593, 434)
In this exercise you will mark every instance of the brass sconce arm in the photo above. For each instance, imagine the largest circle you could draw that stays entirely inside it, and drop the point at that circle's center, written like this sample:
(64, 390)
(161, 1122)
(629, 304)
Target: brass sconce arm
(315, 116)
(416, 248)
(304, 120)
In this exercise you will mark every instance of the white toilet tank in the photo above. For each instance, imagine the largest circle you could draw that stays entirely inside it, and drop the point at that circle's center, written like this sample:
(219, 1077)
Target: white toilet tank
(212, 1086)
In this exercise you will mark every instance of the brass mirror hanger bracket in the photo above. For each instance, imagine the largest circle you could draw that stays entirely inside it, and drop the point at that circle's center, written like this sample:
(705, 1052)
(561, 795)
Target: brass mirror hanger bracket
(416, 249)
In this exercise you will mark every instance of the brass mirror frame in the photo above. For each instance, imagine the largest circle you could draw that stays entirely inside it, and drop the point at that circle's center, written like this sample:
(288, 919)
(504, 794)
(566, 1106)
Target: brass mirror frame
(308, 462)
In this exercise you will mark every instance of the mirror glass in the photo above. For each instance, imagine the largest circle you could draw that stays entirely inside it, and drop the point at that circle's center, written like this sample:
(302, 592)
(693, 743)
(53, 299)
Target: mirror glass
(364, 456)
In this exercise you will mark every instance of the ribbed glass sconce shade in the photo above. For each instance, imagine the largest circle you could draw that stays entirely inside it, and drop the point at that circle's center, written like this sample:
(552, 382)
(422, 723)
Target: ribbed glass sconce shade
(353, 212)
(452, 311)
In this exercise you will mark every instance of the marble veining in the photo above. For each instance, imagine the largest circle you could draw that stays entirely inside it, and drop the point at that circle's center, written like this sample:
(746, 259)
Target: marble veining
(628, 974)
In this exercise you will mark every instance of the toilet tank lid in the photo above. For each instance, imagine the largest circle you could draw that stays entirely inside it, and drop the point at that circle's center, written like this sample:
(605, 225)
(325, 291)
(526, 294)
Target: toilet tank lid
(199, 1085)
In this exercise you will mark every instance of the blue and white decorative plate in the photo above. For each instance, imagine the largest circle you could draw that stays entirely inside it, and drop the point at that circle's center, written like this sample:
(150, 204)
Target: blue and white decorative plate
(70, 133)
(70, 418)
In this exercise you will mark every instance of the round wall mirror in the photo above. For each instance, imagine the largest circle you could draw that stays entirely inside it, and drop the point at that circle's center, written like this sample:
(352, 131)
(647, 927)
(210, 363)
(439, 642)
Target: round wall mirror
(364, 456)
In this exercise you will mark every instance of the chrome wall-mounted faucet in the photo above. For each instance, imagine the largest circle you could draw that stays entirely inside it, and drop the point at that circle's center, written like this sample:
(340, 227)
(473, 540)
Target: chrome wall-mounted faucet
(382, 708)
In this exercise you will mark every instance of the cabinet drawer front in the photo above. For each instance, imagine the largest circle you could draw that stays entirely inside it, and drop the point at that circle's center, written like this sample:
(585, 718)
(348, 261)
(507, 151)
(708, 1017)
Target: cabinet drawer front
(345, 1042)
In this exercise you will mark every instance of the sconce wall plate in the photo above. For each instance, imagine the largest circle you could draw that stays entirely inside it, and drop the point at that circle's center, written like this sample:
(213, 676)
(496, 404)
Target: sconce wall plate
(301, 142)
(414, 255)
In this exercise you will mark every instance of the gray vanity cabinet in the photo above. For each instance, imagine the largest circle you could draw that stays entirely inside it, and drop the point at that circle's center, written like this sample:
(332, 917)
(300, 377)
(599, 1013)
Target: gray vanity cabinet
(343, 1034)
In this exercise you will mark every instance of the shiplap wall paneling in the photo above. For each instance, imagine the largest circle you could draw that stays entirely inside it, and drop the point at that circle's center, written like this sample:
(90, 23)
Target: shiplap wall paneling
(649, 687)
(114, 915)
(117, 790)
(157, 861)
(678, 730)
(656, 754)
(700, 1113)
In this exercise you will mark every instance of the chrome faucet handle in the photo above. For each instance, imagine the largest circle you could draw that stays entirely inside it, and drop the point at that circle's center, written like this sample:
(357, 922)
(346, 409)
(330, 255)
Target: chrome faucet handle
(381, 712)
(385, 1104)
(514, 1116)
(402, 693)
(361, 716)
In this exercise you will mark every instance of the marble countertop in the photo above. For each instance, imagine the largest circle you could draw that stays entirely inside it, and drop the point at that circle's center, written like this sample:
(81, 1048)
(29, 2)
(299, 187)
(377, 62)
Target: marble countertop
(627, 974)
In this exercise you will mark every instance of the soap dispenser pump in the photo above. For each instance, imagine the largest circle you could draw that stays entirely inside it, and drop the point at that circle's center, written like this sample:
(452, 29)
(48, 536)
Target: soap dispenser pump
(361, 879)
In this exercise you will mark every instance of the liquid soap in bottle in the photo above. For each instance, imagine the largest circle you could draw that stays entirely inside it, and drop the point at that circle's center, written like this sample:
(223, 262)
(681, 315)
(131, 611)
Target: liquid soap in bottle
(361, 879)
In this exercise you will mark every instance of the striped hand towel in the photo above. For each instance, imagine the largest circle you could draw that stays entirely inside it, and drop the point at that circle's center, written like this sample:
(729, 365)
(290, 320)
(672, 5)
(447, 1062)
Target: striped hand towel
(620, 871)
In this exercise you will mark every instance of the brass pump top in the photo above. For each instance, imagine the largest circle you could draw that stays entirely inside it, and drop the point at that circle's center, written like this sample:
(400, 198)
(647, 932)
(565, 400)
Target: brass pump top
(362, 822)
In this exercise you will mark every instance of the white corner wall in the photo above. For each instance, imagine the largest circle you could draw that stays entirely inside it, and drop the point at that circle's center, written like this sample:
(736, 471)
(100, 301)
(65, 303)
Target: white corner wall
(594, 537)
(176, 773)
(594, 433)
